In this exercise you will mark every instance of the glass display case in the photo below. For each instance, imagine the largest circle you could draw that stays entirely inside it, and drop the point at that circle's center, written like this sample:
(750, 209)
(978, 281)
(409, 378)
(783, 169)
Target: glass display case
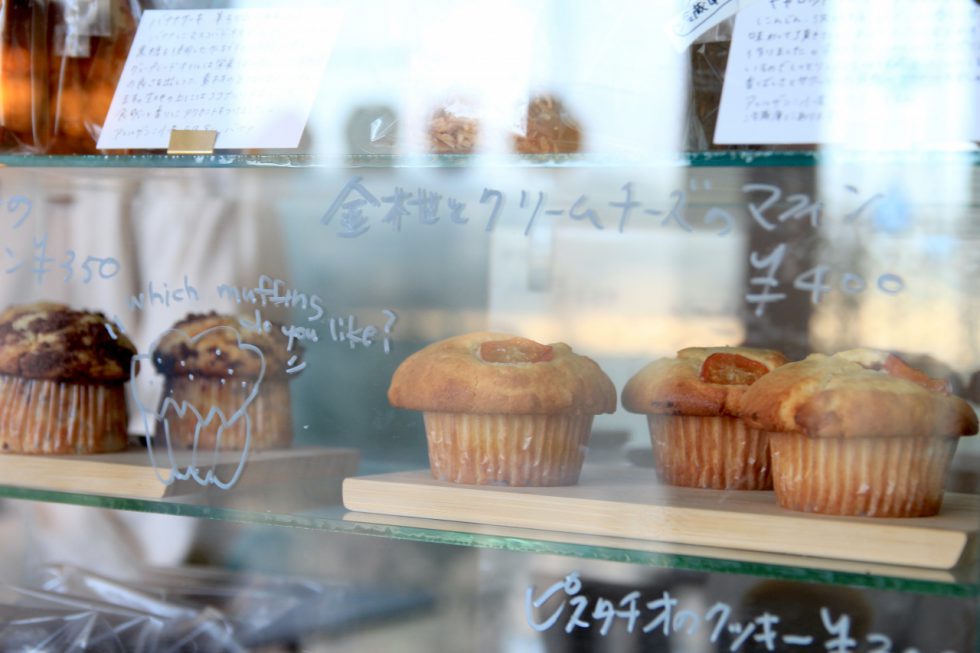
(326, 402)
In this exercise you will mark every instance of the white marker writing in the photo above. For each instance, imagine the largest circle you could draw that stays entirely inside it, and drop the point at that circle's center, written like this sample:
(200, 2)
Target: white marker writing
(392, 318)
(669, 618)
(164, 296)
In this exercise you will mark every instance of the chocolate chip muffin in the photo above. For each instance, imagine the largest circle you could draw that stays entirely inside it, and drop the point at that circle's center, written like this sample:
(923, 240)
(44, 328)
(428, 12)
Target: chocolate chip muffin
(226, 387)
(62, 377)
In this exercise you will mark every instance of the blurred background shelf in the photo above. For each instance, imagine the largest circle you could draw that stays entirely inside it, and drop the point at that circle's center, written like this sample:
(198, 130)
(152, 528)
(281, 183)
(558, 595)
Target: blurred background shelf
(725, 158)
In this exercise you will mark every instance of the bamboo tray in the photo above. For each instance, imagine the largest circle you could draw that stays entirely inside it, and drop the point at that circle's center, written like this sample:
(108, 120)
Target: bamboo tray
(130, 474)
(629, 503)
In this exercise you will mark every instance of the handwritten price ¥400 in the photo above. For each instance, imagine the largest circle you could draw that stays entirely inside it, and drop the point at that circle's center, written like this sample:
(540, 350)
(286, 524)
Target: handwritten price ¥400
(817, 281)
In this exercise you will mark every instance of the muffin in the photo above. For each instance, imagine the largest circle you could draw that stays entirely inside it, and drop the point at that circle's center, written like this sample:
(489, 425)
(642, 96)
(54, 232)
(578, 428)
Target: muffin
(211, 363)
(62, 376)
(548, 128)
(500, 409)
(858, 433)
(690, 403)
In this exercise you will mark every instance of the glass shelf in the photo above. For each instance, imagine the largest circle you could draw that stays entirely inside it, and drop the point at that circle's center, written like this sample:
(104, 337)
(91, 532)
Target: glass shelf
(727, 158)
(959, 582)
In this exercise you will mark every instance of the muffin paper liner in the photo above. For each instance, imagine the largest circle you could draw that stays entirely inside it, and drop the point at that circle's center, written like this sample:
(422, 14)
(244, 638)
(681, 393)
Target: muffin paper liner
(872, 477)
(54, 417)
(269, 414)
(519, 450)
(710, 452)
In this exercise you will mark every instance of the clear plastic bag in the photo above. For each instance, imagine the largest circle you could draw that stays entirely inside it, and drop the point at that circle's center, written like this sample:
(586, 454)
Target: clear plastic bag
(454, 128)
(709, 57)
(213, 609)
(65, 622)
(547, 126)
(61, 60)
(709, 61)
(61, 631)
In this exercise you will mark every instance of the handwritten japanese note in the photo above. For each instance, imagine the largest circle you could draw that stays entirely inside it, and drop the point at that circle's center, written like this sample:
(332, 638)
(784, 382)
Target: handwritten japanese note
(359, 207)
(681, 622)
(808, 71)
(249, 74)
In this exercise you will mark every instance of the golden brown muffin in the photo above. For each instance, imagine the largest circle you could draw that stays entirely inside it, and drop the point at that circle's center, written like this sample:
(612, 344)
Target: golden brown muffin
(501, 409)
(62, 374)
(548, 128)
(211, 362)
(858, 433)
(690, 403)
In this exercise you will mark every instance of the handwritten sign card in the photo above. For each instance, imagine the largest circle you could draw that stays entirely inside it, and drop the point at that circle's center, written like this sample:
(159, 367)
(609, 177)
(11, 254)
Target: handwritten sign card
(809, 71)
(249, 74)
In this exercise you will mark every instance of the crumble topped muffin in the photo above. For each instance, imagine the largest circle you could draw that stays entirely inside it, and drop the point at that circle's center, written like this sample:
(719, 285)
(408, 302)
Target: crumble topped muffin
(62, 376)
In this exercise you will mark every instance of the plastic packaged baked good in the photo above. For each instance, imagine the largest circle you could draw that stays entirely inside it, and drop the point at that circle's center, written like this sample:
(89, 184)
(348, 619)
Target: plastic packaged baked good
(547, 127)
(709, 58)
(60, 65)
(858, 433)
(501, 409)
(25, 89)
(454, 129)
(690, 403)
(708, 66)
(62, 376)
(226, 388)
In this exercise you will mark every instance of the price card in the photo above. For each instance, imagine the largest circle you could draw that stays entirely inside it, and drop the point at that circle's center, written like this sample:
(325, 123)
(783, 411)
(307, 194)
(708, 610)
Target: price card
(864, 73)
(251, 75)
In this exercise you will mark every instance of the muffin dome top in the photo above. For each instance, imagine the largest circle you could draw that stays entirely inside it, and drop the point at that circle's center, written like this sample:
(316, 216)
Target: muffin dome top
(210, 345)
(497, 373)
(55, 343)
(700, 381)
(856, 393)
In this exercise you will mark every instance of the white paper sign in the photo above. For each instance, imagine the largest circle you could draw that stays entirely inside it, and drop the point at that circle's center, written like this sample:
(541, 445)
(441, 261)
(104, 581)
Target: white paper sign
(249, 74)
(698, 16)
(882, 73)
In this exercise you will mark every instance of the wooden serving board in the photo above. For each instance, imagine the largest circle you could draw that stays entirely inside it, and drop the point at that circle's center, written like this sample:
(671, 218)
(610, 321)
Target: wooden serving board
(630, 503)
(960, 574)
(130, 474)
